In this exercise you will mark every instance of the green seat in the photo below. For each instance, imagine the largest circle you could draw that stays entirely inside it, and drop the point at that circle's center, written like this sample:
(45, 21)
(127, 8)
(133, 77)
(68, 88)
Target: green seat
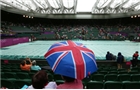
(111, 77)
(113, 85)
(86, 80)
(8, 83)
(59, 82)
(50, 77)
(57, 77)
(133, 72)
(3, 76)
(123, 69)
(122, 72)
(103, 72)
(124, 77)
(15, 70)
(95, 85)
(135, 77)
(131, 85)
(21, 83)
(6, 70)
(113, 72)
(31, 74)
(11, 75)
(97, 77)
(23, 75)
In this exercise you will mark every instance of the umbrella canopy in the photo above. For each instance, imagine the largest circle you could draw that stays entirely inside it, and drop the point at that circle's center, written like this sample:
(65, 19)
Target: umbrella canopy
(71, 59)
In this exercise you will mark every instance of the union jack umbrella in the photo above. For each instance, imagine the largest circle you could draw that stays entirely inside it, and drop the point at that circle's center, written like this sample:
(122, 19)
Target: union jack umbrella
(71, 59)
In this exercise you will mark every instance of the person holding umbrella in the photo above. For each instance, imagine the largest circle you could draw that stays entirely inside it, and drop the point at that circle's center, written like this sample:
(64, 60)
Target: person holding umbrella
(73, 61)
(70, 83)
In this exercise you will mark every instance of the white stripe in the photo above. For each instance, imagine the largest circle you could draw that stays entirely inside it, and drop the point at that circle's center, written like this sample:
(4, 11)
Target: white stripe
(91, 57)
(84, 64)
(57, 60)
(54, 53)
(74, 64)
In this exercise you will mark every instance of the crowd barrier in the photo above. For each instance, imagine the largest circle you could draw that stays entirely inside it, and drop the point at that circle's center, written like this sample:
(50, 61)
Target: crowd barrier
(13, 41)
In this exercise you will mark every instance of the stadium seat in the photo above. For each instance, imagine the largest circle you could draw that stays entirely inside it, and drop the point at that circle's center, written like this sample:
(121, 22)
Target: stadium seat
(3, 76)
(111, 77)
(133, 72)
(11, 75)
(59, 82)
(113, 72)
(23, 75)
(135, 77)
(50, 77)
(131, 85)
(95, 85)
(97, 77)
(8, 83)
(21, 83)
(113, 85)
(122, 72)
(57, 77)
(124, 77)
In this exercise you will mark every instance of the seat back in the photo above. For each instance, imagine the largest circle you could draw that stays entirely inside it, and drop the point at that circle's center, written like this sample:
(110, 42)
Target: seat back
(113, 85)
(97, 77)
(135, 77)
(124, 77)
(131, 85)
(111, 77)
(95, 85)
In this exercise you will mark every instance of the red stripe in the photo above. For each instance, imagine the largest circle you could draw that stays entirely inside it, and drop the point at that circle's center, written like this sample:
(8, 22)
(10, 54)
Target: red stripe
(78, 61)
(59, 60)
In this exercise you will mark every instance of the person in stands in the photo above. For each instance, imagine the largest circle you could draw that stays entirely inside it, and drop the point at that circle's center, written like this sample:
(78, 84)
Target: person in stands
(70, 83)
(108, 56)
(40, 81)
(135, 59)
(120, 60)
(34, 66)
(25, 66)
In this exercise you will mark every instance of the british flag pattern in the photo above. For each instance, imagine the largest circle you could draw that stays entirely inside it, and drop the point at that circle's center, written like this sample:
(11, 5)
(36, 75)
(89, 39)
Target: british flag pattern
(71, 59)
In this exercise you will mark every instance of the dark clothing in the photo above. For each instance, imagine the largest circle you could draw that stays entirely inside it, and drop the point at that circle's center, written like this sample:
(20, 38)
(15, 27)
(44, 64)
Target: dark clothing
(108, 56)
(135, 60)
(120, 59)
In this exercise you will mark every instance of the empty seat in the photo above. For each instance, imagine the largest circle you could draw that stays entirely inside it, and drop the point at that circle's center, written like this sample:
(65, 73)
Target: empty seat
(8, 83)
(97, 77)
(23, 75)
(57, 77)
(111, 77)
(10, 75)
(113, 85)
(131, 85)
(21, 83)
(135, 77)
(95, 85)
(124, 77)
(59, 82)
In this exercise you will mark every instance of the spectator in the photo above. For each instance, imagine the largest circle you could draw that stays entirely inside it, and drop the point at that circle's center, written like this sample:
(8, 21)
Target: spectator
(40, 81)
(34, 66)
(25, 66)
(120, 60)
(70, 83)
(108, 56)
(135, 59)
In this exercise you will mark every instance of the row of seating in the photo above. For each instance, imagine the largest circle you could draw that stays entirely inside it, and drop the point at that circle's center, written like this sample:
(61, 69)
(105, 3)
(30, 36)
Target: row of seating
(112, 85)
(24, 75)
(93, 77)
(17, 84)
(114, 77)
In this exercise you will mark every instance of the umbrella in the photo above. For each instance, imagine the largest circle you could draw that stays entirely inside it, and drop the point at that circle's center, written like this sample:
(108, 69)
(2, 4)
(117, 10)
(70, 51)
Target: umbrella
(71, 59)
